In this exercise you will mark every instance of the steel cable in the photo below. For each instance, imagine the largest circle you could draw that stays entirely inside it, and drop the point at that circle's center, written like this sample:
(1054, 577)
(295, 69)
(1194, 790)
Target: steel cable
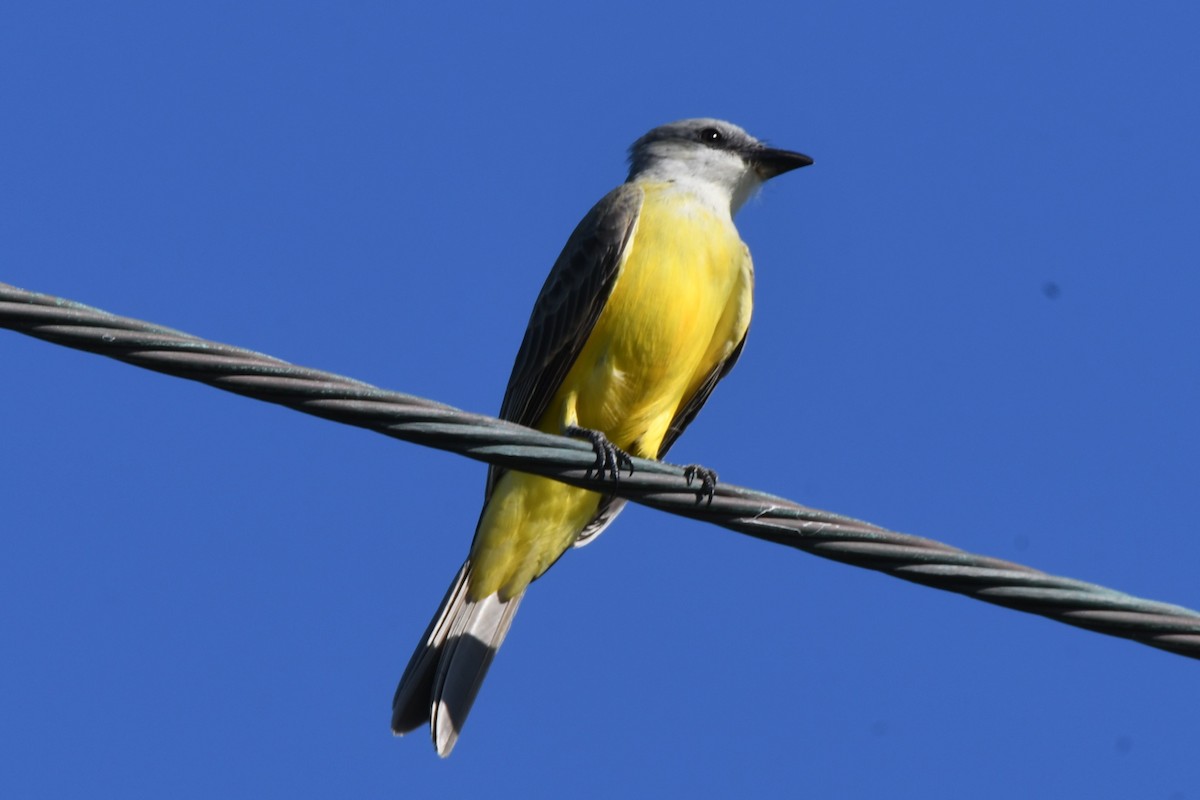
(658, 485)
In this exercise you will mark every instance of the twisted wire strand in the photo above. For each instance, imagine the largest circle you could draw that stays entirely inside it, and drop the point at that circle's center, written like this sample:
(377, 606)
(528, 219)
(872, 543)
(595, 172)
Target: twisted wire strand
(658, 485)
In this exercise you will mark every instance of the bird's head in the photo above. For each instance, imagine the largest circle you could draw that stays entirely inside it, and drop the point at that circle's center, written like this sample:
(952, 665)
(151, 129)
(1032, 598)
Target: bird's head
(710, 153)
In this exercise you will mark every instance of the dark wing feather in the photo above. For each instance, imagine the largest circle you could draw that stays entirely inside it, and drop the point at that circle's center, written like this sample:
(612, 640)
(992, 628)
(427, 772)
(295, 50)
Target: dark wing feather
(567, 308)
(688, 411)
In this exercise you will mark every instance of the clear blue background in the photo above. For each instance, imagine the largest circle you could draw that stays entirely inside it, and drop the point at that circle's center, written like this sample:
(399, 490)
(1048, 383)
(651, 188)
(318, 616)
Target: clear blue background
(205, 596)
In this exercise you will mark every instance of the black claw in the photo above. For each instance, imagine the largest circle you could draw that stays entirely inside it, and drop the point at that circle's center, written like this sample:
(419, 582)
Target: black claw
(707, 478)
(609, 457)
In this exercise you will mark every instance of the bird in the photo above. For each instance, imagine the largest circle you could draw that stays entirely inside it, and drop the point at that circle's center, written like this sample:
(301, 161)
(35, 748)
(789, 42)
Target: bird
(644, 311)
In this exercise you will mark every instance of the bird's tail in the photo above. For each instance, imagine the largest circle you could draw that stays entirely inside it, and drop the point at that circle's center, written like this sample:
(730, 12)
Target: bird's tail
(445, 673)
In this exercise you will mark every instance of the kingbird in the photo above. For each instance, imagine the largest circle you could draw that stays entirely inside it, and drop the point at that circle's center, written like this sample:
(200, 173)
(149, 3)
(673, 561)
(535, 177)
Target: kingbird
(645, 310)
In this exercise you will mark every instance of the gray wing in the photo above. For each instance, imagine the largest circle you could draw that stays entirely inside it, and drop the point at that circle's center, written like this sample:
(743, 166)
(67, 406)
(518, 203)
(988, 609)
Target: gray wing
(689, 410)
(567, 308)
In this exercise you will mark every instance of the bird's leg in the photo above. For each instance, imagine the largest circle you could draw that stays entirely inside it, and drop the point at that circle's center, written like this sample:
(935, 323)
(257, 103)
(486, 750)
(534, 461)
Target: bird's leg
(707, 479)
(609, 457)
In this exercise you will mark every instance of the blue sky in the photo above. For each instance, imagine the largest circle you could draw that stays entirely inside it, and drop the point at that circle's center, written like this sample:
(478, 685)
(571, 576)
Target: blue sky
(208, 596)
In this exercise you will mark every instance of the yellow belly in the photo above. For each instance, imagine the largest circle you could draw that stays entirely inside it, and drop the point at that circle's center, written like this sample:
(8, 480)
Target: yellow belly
(680, 304)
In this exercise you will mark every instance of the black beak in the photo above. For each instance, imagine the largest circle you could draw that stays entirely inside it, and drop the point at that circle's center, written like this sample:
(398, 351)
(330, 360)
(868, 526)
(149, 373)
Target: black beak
(769, 162)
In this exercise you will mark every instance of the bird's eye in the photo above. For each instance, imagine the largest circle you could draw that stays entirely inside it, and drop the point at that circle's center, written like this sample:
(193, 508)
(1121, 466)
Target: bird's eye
(712, 137)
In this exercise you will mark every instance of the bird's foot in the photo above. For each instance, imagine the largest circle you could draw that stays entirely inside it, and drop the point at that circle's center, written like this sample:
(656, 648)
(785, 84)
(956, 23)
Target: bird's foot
(707, 479)
(609, 457)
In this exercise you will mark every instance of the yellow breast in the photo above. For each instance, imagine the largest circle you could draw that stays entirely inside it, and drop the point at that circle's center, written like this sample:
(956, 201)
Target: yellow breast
(680, 304)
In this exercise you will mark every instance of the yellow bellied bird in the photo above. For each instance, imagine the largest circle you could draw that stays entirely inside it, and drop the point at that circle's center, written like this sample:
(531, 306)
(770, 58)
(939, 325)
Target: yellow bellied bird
(644, 312)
